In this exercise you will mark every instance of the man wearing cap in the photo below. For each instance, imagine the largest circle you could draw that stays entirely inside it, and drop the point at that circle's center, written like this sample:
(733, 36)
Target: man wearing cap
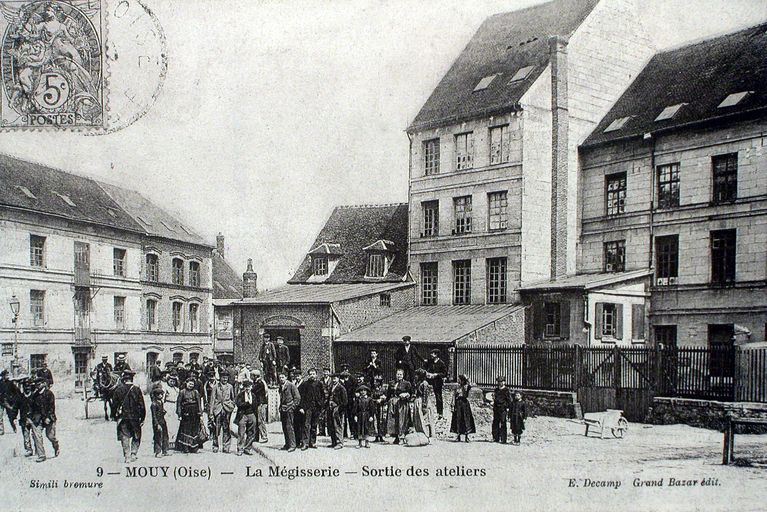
(408, 359)
(373, 368)
(245, 418)
(43, 418)
(25, 407)
(220, 407)
(102, 372)
(350, 385)
(298, 412)
(131, 412)
(283, 355)
(324, 422)
(290, 398)
(45, 373)
(260, 392)
(155, 371)
(436, 372)
(312, 401)
(121, 365)
(337, 399)
(268, 358)
(501, 404)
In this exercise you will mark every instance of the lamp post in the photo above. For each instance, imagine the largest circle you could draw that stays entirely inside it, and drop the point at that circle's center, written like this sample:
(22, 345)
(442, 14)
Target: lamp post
(15, 305)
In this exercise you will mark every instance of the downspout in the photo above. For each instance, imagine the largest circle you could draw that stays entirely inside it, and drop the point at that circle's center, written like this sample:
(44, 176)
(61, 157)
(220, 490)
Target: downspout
(409, 187)
(653, 184)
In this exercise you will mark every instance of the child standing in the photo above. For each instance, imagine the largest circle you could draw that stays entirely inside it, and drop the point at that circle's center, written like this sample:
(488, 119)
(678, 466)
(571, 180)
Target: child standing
(501, 404)
(159, 427)
(363, 412)
(517, 416)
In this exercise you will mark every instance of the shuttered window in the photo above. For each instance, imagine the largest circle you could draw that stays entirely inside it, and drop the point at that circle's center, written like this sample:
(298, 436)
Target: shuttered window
(609, 321)
(551, 319)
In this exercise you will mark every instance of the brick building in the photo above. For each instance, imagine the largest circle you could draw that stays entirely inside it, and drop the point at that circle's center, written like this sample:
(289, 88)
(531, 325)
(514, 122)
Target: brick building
(673, 182)
(75, 256)
(354, 274)
(227, 287)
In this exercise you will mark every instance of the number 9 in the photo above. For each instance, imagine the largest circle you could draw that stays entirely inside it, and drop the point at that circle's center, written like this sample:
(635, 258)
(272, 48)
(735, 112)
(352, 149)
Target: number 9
(99, 471)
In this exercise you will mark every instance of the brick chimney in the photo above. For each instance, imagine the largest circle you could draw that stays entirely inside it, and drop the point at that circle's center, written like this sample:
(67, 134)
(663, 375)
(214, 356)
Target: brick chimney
(249, 281)
(559, 168)
(220, 244)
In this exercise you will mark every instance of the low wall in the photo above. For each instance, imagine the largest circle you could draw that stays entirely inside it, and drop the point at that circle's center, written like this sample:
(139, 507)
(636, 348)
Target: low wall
(560, 404)
(705, 413)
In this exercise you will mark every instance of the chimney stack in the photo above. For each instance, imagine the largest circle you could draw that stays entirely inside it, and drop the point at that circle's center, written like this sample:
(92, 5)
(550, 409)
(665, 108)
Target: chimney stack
(559, 164)
(249, 281)
(220, 244)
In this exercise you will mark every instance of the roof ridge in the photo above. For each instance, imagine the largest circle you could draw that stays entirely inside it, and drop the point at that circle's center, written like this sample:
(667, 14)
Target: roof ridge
(708, 38)
(48, 166)
(368, 205)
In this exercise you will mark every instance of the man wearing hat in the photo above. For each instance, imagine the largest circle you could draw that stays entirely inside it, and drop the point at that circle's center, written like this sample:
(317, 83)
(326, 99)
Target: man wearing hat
(43, 418)
(350, 383)
(283, 355)
(25, 386)
(121, 365)
(268, 358)
(45, 373)
(298, 413)
(290, 399)
(131, 412)
(408, 359)
(220, 407)
(501, 404)
(312, 400)
(155, 371)
(337, 399)
(102, 372)
(245, 418)
(436, 372)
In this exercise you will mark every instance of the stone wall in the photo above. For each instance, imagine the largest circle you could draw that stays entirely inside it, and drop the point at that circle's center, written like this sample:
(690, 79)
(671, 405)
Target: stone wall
(559, 404)
(705, 413)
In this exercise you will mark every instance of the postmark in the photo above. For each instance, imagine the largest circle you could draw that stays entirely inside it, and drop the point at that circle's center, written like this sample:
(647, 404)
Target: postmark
(52, 59)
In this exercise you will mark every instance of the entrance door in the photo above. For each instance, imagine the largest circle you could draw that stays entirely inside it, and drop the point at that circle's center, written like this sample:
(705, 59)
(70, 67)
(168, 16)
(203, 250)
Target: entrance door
(292, 340)
(721, 363)
(151, 360)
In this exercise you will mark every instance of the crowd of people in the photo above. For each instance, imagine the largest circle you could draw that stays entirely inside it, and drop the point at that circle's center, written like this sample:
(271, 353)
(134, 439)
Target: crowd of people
(192, 404)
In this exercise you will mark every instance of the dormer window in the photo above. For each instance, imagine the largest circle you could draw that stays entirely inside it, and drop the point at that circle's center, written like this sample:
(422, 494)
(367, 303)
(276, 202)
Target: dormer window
(323, 260)
(669, 112)
(380, 258)
(376, 265)
(320, 266)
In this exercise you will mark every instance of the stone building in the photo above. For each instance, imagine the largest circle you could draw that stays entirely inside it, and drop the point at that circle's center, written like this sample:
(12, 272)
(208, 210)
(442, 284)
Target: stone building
(354, 274)
(493, 175)
(674, 183)
(227, 287)
(96, 270)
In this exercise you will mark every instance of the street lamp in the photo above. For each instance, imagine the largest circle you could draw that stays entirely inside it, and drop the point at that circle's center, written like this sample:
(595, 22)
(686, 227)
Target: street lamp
(15, 306)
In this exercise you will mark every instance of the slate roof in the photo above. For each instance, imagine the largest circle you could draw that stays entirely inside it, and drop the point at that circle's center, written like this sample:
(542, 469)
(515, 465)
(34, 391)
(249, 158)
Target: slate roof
(320, 293)
(701, 75)
(586, 281)
(91, 203)
(227, 284)
(503, 44)
(353, 228)
(431, 324)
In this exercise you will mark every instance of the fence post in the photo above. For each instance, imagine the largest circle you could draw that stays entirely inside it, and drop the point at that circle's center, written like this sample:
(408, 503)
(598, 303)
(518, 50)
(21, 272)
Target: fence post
(657, 386)
(524, 366)
(616, 368)
(578, 368)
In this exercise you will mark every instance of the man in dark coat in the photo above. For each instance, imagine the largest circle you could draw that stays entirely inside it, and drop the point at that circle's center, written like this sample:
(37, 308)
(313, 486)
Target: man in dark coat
(290, 399)
(337, 400)
(501, 404)
(324, 422)
(261, 394)
(283, 355)
(42, 415)
(155, 372)
(46, 374)
(131, 412)
(373, 369)
(102, 373)
(268, 358)
(245, 418)
(121, 365)
(298, 412)
(408, 359)
(436, 372)
(312, 401)
(350, 383)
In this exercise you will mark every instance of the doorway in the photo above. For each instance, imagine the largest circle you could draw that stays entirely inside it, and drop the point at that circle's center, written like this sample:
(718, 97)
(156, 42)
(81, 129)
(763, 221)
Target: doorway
(292, 340)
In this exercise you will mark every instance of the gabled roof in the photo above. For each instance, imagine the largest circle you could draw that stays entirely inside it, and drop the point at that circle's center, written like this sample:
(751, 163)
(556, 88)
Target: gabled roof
(587, 281)
(352, 229)
(227, 284)
(319, 293)
(504, 44)
(154, 220)
(327, 249)
(381, 245)
(35, 187)
(699, 77)
(430, 324)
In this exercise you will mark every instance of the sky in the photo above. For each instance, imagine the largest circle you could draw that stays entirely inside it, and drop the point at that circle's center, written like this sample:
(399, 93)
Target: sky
(274, 112)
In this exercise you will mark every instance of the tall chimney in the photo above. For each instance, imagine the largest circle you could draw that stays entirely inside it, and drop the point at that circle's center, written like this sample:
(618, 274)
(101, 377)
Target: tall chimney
(220, 244)
(249, 281)
(559, 166)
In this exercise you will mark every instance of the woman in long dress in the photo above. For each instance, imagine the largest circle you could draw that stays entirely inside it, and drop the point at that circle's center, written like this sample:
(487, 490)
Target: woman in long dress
(421, 412)
(171, 399)
(462, 422)
(189, 411)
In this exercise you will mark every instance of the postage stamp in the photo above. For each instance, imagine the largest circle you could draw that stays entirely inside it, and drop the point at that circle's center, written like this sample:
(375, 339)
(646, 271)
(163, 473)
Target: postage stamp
(52, 64)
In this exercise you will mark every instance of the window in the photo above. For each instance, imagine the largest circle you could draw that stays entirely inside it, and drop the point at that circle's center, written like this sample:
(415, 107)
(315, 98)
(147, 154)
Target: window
(177, 321)
(37, 307)
(431, 157)
(430, 218)
(151, 315)
(725, 177)
(609, 318)
(734, 99)
(81, 363)
(497, 206)
(521, 74)
(429, 284)
(552, 319)
(462, 282)
(496, 280)
(666, 335)
(499, 145)
(194, 317)
(385, 299)
(637, 323)
(178, 271)
(65, 198)
(376, 265)
(669, 112)
(616, 193)
(723, 257)
(152, 268)
(462, 214)
(118, 262)
(617, 124)
(178, 357)
(319, 266)
(119, 310)
(194, 273)
(37, 251)
(36, 361)
(615, 256)
(26, 192)
(484, 83)
(464, 151)
(721, 363)
(666, 259)
(668, 186)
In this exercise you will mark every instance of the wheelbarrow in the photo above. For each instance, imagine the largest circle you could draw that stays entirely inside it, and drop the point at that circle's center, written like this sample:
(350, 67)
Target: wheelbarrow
(611, 420)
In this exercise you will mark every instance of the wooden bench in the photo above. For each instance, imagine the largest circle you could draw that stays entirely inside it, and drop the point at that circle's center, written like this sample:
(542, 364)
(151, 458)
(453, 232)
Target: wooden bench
(729, 435)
